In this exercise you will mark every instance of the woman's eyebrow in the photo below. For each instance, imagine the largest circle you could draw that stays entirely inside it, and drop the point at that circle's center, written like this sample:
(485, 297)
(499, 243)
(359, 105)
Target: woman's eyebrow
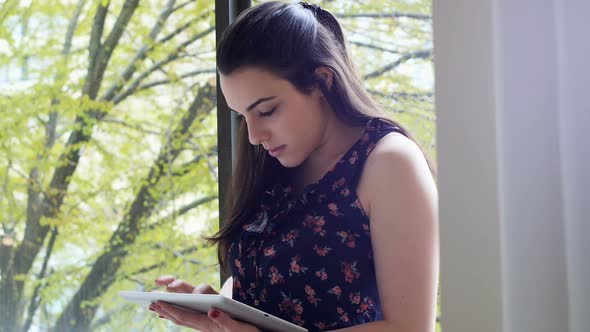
(261, 100)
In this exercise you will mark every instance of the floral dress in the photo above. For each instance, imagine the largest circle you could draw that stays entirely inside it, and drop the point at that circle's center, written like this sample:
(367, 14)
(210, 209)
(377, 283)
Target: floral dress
(307, 257)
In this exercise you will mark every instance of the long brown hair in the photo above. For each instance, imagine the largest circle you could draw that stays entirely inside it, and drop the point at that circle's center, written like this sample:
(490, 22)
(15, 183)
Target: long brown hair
(291, 41)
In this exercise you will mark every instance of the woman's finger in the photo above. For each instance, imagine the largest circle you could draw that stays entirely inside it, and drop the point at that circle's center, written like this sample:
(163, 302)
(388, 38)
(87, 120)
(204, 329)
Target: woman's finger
(204, 289)
(164, 280)
(185, 317)
(180, 286)
(226, 323)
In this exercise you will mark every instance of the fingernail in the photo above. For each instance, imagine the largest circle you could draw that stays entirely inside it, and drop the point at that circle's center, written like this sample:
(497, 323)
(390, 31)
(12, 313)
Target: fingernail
(152, 309)
(214, 314)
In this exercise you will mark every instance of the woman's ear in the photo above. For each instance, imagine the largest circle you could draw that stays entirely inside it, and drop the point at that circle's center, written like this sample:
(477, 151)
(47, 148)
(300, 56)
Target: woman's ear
(326, 75)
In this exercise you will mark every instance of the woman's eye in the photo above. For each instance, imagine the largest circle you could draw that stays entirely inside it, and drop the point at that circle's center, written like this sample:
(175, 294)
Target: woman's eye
(267, 114)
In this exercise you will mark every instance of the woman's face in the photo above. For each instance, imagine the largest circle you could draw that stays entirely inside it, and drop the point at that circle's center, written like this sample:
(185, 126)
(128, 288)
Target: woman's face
(289, 124)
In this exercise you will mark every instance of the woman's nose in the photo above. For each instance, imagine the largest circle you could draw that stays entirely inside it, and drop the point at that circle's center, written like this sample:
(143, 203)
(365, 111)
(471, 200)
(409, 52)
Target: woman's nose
(257, 134)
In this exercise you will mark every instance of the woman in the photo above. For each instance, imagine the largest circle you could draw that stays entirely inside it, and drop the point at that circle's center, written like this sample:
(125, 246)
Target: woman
(334, 211)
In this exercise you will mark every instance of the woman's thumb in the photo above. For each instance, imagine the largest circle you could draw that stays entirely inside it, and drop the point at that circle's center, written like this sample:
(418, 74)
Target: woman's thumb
(222, 319)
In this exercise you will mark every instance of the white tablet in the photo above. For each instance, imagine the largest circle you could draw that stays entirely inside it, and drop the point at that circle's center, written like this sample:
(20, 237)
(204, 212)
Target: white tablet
(203, 302)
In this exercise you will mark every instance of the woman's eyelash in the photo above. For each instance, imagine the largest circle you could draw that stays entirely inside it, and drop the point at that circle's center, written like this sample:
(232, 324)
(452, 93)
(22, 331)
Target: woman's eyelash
(267, 114)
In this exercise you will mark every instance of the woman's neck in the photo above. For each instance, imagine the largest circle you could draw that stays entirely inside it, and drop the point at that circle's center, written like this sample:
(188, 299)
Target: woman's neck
(338, 138)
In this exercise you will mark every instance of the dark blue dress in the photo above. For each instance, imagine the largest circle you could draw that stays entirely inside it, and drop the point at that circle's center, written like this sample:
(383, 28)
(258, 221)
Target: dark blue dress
(307, 257)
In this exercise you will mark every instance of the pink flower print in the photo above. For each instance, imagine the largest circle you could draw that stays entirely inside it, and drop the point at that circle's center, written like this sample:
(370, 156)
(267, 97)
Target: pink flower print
(350, 271)
(309, 221)
(343, 315)
(263, 295)
(335, 291)
(311, 295)
(365, 137)
(319, 221)
(355, 298)
(348, 238)
(238, 264)
(295, 267)
(321, 326)
(321, 274)
(357, 204)
(339, 183)
(316, 223)
(237, 285)
(270, 251)
(345, 192)
(299, 308)
(355, 156)
(322, 251)
(275, 276)
(293, 308)
(365, 306)
(366, 229)
(334, 209)
(290, 237)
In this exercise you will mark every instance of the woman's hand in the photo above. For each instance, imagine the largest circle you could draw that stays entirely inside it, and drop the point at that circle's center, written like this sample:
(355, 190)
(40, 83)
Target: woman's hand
(214, 321)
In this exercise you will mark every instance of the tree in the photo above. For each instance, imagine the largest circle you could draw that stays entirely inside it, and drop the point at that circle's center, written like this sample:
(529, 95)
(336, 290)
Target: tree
(64, 136)
(108, 158)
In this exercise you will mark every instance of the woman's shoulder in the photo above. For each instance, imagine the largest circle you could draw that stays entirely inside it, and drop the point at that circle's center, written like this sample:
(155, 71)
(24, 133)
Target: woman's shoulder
(394, 166)
(394, 150)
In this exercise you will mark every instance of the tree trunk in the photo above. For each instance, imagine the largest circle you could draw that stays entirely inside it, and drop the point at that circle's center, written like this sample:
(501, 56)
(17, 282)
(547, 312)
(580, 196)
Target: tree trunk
(81, 309)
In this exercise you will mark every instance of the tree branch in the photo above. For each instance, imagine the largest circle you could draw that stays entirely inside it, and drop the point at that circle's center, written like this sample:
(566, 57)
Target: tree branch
(182, 211)
(190, 74)
(111, 43)
(141, 53)
(375, 47)
(152, 267)
(184, 27)
(415, 16)
(132, 126)
(423, 97)
(72, 27)
(405, 58)
(171, 57)
(186, 167)
(7, 8)
(35, 301)
(106, 318)
(94, 46)
(182, 5)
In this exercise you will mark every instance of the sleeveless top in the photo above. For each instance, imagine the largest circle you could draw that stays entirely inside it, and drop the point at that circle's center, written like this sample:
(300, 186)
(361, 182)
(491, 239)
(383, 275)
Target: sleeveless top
(307, 257)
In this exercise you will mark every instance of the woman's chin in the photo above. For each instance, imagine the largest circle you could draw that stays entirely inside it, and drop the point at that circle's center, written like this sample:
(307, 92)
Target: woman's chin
(289, 163)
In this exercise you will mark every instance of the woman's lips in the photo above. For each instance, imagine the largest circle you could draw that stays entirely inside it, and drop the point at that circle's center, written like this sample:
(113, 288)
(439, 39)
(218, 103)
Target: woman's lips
(276, 151)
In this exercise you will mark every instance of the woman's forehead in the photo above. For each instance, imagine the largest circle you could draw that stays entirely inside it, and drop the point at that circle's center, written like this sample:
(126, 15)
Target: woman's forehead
(243, 87)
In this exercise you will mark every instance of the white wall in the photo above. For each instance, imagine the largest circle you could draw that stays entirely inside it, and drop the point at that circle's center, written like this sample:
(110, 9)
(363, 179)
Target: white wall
(574, 104)
(513, 164)
(468, 177)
